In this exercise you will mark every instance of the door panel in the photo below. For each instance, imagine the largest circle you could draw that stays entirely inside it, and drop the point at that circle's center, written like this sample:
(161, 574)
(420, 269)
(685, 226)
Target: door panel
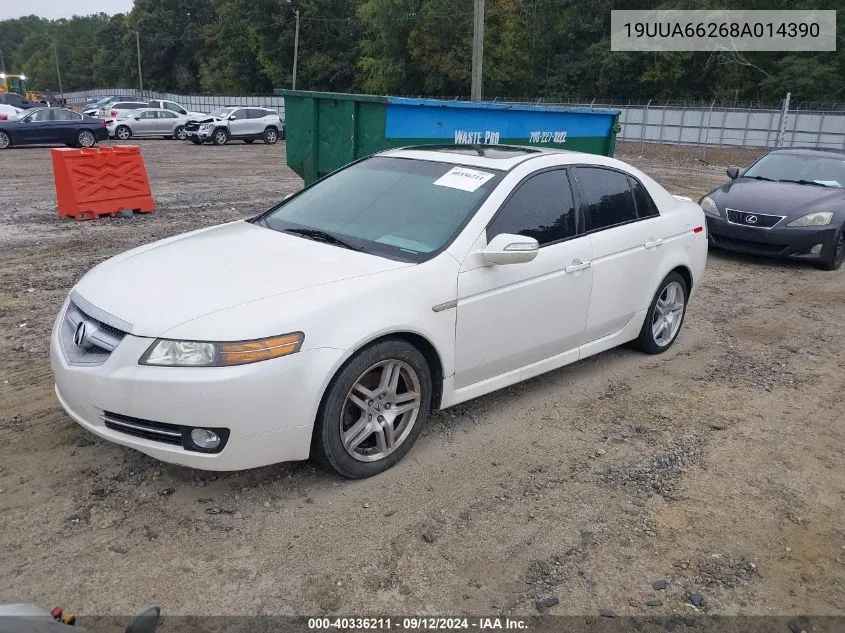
(512, 316)
(240, 126)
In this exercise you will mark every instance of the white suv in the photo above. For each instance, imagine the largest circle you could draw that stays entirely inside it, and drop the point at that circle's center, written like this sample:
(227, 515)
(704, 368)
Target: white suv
(235, 123)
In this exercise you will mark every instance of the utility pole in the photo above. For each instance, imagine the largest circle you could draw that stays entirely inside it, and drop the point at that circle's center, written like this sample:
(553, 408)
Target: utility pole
(140, 76)
(477, 49)
(2, 62)
(58, 73)
(295, 42)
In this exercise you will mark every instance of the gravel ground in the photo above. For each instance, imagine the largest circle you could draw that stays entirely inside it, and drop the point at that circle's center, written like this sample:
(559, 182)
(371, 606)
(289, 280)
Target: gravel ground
(709, 479)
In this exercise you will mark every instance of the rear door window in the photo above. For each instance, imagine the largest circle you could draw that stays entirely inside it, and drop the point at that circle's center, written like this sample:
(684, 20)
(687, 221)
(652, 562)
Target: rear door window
(608, 199)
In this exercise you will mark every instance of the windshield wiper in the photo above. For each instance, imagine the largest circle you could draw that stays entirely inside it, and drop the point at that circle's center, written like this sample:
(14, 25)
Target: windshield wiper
(807, 182)
(322, 236)
(760, 178)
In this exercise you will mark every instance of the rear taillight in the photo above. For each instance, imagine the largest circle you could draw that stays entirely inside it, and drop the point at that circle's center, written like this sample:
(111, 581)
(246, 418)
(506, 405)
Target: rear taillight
(3, 117)
(102, 123)
(114, 114)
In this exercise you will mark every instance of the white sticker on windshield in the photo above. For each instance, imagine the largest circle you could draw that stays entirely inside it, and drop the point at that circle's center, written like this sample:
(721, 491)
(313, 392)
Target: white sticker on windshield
(463, 178)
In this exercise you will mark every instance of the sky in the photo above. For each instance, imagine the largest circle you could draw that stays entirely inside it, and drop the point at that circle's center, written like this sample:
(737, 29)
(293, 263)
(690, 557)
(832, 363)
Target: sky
(54, 9)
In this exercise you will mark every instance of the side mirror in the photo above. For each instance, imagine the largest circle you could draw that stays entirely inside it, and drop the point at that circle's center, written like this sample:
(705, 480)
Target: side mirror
(145, 622)
(506, 248)
(232, 118)
(732, 172)
(137, 118)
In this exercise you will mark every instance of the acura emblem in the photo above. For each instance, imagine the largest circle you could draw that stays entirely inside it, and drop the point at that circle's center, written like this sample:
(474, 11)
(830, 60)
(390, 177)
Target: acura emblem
(79, 334)
(751, 219)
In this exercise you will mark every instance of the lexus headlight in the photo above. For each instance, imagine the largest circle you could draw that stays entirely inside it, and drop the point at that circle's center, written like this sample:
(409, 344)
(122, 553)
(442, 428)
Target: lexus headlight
(170, 353)
(820, 218)
(709, 207)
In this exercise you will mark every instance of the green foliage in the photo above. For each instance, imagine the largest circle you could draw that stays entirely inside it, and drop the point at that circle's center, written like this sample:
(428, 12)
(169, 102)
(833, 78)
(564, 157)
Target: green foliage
(532, 48)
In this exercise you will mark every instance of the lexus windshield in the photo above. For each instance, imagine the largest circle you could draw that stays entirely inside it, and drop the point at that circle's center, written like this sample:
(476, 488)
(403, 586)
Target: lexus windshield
(396, 207)
(802, 168)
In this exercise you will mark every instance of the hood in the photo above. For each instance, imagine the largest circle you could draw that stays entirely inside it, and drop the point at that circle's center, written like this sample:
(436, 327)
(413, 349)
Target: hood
(164, 284)
(778, 198)
(204, 118)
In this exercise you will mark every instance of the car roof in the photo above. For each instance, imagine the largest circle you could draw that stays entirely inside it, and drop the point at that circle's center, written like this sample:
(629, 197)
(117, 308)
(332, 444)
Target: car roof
(810, 151)
(499, 157)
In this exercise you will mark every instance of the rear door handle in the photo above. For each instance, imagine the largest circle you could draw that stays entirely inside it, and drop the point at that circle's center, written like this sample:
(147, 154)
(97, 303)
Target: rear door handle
(575, 267)
(653, 243)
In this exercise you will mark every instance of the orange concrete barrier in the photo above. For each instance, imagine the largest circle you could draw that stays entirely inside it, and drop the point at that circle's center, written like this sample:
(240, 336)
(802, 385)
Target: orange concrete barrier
(101, 181)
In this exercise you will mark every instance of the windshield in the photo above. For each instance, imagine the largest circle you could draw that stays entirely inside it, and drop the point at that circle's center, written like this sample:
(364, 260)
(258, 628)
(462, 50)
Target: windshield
(16, 84)
(221, 113)
(822, 170)
(400, 208)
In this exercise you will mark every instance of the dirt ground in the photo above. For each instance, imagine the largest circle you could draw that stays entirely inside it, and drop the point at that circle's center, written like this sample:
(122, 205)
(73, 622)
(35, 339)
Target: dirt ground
(717, 467)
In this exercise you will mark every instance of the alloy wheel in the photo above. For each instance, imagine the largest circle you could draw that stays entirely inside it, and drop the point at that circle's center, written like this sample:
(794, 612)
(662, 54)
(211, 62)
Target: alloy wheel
(5, 141)
(668, 314)
(86, 139)
(380, 410)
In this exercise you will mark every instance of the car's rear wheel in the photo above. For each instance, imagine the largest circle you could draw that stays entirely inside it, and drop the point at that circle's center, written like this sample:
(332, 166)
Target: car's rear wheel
(5, 140)
(123, 133)
(665, 315)
(86, 138)
(179, 132)
(271, 135)
(374, 410)
(220, 137)
(836, 257)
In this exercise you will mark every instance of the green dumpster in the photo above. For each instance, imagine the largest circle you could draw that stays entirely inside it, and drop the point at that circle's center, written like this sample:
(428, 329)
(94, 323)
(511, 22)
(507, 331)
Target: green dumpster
(326, 130)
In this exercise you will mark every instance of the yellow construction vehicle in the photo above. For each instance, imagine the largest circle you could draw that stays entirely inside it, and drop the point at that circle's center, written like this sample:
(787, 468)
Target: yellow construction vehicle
(16, 83)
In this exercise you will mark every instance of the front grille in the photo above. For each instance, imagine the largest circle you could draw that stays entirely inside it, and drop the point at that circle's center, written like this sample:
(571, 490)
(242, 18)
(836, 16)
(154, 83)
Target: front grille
(146, 429)
(191, 126)
(753, 220)
(749, 246)
(88, 335)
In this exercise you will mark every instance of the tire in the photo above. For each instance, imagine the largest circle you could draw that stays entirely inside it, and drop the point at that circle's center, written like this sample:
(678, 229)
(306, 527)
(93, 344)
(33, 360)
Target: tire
(271, 135)
(672, 290)
(179, 132)
(249, 140)
(123, 133)
(836, 256)
(365, 379)
(220, 136)
(5, 140)
(86, 138)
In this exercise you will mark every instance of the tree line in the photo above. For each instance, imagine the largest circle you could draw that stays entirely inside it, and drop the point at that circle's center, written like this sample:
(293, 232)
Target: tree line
(532, 48)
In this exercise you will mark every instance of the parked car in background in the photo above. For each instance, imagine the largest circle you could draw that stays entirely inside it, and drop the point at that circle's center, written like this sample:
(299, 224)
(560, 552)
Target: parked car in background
(789, 203)
(52, 126)
(236, 123)
(97, 108)
(9, 112)
(406, 282)
(147, 122)
(175, 107)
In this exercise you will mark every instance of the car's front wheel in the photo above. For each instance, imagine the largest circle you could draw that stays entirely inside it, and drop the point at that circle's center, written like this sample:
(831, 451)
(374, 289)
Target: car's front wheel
(220, 137)
(665, 315)
(86, 138)
(836, 256)
(374, 410)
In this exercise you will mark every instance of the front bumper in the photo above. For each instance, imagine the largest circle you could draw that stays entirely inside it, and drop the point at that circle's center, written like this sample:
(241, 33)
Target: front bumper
(198, 135)
(269, 407)
(794, 242)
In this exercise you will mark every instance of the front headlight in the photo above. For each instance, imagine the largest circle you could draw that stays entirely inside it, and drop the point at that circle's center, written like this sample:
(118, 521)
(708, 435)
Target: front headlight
(820, 218)
(709, 207)
(205, 126)
(170, 353)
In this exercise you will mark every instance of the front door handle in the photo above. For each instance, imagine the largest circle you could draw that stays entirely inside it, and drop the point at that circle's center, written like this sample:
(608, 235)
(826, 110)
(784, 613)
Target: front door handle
(577, 265)
(653, 243)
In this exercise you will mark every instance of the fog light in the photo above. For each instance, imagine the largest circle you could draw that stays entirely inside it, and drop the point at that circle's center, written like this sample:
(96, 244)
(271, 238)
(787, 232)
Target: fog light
(816, 249)
(204, 438)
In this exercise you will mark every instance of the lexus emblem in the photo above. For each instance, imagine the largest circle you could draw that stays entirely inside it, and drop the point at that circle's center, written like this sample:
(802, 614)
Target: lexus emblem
(79, 334)
(751, 219)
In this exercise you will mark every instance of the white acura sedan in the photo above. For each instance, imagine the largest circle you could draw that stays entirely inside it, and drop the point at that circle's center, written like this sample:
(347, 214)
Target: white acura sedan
(332, 324)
